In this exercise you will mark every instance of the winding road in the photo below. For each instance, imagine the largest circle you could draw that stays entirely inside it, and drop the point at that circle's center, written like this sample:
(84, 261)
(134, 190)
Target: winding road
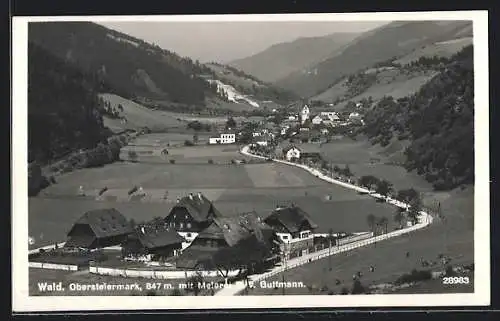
(424, 220)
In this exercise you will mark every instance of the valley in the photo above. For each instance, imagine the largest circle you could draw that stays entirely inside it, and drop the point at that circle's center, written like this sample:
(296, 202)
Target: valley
(116, 122)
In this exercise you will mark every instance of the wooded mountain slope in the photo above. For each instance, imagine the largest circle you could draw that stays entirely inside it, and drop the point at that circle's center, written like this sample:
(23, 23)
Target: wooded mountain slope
(438, 120)
(131, 66)
(63, 109)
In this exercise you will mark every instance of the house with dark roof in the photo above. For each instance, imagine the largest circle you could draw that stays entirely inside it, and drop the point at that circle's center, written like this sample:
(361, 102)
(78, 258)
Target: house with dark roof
(237, 241)
(190, 215)
(291, 153)
(153, 242)
(302, 151)
(294, 227)
(98, 229)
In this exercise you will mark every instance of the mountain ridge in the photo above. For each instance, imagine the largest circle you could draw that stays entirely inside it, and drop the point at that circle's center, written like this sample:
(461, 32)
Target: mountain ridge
(269, 65)
(389, 41)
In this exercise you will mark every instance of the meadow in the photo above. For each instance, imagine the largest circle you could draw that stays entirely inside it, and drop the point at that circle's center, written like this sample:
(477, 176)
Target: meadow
(389, 83)
(440, 49)
(233, 188)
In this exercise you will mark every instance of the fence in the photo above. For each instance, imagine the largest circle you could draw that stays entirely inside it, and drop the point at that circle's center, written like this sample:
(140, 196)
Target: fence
(301, 260)
(48, 247)
(424, 220)
(53, 266)
(151, 274)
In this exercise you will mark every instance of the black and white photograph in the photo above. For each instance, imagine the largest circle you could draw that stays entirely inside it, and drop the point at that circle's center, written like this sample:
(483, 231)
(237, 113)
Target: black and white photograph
(274, 160)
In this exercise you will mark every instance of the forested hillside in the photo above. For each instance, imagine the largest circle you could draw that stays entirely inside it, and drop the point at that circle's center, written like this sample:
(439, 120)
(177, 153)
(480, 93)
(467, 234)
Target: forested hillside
(439, 122)
(134, 68)
(63, 112)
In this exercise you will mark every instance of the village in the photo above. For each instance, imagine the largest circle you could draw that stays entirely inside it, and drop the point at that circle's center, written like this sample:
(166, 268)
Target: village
(195, 241)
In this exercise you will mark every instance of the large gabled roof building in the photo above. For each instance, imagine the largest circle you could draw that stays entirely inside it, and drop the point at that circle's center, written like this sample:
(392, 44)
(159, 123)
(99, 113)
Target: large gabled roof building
(192, 213)
(239, 238)
(99, 228)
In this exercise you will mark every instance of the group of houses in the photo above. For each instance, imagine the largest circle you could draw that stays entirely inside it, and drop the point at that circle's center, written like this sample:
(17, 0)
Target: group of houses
(329, 118)
(195, 235)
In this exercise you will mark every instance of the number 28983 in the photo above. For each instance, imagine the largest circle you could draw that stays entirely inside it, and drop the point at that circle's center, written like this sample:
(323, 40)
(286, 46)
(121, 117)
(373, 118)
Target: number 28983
(456, 280)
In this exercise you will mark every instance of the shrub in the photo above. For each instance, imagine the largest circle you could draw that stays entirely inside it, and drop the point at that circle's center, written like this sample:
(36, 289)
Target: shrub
(188, 143)
(414, 276)
(104, 189)
(172, 161)
(210, 161)
(176, 292)
(449, 271)
(133, 190)
(357, 287)
(344, 291)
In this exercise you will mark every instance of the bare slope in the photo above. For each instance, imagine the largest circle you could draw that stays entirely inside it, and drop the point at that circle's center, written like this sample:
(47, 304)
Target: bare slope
(387, 42)
(282, 59)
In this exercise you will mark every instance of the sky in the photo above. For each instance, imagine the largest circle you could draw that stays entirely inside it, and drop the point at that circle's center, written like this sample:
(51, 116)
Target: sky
(226, 41)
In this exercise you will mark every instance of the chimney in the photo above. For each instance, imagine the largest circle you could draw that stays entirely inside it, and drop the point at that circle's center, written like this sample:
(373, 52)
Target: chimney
(191, 196)
(200, 197)
(142, 230)
(178, 200)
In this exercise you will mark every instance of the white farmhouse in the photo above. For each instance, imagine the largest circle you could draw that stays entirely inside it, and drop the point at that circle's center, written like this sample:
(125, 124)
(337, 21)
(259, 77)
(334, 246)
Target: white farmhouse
(294, 227)
(225, 138)
(291, 152)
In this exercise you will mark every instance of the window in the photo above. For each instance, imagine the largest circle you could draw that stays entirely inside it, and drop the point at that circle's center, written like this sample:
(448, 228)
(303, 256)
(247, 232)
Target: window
(188, 235)
(284, 237)
(188, 225)
(181, 225)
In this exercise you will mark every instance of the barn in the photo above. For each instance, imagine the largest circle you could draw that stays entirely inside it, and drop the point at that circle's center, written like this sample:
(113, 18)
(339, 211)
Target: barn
(98, 229)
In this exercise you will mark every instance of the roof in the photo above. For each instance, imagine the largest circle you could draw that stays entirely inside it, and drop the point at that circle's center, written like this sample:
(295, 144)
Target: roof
(158, 237)
(236, 228)
(287, 148)
(105, 223)
(194, 255)
(292, 218)
(198, 206)
(308, 148)
(79, 240)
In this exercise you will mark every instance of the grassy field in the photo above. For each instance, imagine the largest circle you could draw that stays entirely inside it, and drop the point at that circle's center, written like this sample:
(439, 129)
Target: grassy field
(453, 237)
(440, 49)
(233, 188)
(366, 159)
(389, 83)
(139, 116)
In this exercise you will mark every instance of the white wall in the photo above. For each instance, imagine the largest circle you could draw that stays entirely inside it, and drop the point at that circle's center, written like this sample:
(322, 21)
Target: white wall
(53, 266)
(177, 274)
(292, 153)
